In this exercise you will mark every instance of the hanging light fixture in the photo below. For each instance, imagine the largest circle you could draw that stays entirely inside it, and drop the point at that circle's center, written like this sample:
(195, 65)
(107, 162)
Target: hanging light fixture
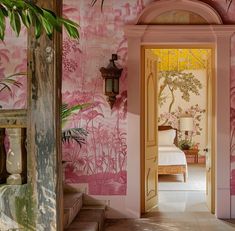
(111, 75)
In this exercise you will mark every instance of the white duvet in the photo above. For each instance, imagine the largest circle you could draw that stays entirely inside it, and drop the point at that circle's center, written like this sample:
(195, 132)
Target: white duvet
(171, 155)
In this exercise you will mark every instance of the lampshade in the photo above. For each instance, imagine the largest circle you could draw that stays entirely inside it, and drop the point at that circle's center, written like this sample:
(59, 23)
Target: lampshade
(186, 123)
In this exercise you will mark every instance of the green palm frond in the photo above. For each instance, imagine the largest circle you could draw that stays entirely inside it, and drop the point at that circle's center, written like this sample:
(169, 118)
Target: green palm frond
(29, 14)
(66, 111)
(77, 134)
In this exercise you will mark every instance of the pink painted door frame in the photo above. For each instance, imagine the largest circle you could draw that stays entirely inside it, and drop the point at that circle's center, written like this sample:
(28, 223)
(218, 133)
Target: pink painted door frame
(218, 36)
(213, 34)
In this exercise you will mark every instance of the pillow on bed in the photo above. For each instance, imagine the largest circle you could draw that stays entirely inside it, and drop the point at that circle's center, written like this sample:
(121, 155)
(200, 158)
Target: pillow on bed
(166, 137)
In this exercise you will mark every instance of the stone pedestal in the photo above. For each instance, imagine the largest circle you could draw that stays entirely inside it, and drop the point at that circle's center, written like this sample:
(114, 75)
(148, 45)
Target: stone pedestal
(16, 163)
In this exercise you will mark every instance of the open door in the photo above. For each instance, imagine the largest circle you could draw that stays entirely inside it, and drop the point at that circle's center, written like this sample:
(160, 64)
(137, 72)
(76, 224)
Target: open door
(150, 131)
(210, 173)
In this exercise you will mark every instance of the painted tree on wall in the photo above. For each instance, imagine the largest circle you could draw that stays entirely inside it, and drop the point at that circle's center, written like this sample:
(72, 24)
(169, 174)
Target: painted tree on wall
(173, 118)
(186, 83)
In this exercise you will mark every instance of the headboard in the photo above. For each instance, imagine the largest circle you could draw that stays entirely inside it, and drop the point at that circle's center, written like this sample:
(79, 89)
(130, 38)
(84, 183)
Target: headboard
(168, 127)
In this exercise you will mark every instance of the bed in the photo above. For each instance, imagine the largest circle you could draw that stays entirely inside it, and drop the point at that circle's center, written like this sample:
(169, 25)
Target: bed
(171, 160)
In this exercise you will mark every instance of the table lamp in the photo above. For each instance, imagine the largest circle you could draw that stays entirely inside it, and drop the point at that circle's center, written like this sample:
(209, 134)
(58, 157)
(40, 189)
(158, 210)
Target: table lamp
(186, 125)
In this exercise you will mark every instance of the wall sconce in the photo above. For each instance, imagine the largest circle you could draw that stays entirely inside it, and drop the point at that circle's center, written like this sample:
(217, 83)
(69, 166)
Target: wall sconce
(111, 75)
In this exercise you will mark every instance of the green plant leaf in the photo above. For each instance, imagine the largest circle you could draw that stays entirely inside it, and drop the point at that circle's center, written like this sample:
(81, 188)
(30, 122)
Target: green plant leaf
(29, 17)
(38, 27)
(7, 4)
(15, 22)
(18, 5)
(37, 10)
(32, 15)
(71, 27)
(4, 11)
(66, 112)
(50, 11)
(24, 17)
(52, 19)
(47, 27)
(2, 25)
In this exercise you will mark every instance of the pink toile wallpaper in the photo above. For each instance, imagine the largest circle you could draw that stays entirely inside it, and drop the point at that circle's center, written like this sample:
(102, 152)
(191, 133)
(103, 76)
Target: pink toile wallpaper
(13, 60)
(101, 162)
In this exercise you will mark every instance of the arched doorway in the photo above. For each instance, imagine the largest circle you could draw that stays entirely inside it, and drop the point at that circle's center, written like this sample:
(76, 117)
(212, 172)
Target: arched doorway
(199, 25)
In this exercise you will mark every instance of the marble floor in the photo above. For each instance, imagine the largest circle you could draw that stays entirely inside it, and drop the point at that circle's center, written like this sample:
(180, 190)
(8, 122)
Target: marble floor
(196, 180)
(177, 211)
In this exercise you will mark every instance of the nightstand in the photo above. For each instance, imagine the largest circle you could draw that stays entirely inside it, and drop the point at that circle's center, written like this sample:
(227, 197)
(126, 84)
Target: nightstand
(192, 152)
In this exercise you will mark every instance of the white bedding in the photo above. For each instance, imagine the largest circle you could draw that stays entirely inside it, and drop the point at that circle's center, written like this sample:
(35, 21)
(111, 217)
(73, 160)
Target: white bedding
(171, 155)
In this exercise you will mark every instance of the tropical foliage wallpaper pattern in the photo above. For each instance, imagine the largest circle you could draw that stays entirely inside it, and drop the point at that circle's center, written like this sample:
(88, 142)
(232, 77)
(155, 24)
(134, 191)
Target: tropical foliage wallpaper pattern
(102, 162)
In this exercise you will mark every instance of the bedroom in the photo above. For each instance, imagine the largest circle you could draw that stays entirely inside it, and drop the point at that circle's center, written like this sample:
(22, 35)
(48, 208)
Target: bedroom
(183, 118)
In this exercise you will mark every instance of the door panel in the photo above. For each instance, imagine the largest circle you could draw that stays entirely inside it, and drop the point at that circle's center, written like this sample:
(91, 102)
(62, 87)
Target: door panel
(151, 174)
(210, 137)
